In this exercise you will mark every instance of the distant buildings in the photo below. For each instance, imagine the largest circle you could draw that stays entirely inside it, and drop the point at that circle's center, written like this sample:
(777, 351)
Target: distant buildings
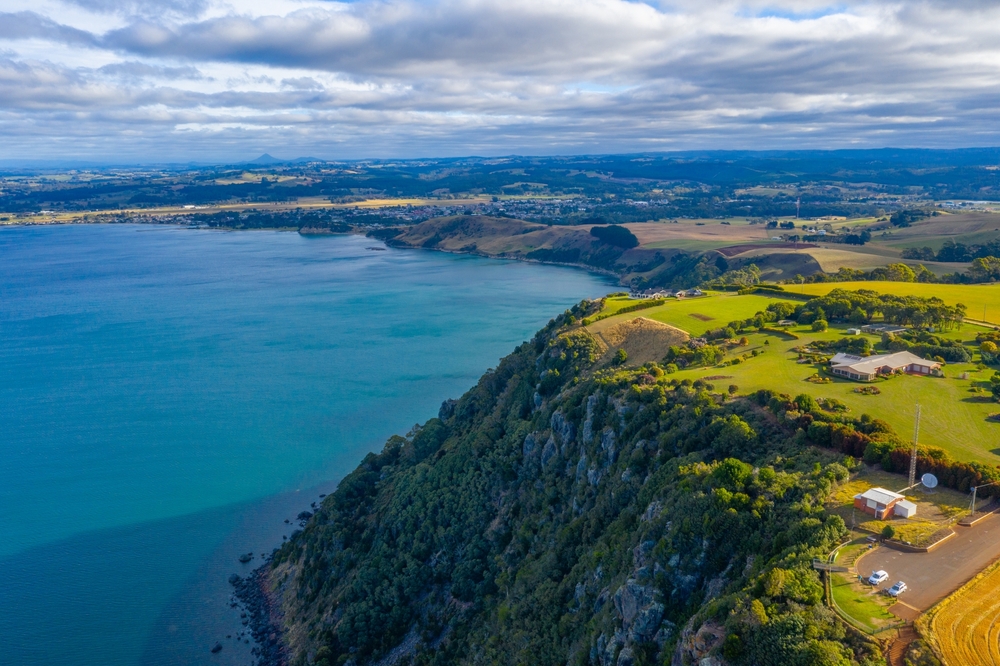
(879, 329)
(665, 293)
(868, 368)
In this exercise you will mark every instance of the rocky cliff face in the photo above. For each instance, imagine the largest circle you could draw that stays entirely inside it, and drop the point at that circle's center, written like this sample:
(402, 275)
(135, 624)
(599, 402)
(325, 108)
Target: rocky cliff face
(564, 512)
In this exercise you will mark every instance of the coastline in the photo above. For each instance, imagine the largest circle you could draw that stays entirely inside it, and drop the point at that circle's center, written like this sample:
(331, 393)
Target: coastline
(314, 233)
(263, 618)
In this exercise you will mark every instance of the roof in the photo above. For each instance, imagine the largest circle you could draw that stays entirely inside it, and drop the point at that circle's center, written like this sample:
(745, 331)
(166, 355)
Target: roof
(871, 365)
(907, 504)
(881, 495)
(845, 359)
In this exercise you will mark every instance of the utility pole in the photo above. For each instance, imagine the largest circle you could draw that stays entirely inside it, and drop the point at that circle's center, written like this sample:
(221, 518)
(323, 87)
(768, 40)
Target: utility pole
(913, 456)
(798, 202)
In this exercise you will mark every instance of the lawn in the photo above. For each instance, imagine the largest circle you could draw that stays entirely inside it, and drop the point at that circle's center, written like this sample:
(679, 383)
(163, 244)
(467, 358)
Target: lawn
(974, 296)
(953, 415)
(860, 602)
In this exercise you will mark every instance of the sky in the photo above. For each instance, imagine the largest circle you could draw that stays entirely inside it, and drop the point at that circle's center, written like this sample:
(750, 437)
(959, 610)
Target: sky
(210, 80)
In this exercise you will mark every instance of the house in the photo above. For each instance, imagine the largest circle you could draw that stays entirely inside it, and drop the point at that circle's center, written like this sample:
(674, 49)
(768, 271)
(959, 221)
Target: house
(866, 369)
(879, 329)
(651, 293)
(786, 322)
(854, 331)
(883, 503)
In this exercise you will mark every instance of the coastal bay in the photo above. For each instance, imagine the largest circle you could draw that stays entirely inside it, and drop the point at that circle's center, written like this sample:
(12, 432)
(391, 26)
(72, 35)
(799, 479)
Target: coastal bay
(171, 395)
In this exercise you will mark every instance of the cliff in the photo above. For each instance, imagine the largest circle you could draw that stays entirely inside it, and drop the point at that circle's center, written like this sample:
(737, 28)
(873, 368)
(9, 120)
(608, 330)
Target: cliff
(568, 510)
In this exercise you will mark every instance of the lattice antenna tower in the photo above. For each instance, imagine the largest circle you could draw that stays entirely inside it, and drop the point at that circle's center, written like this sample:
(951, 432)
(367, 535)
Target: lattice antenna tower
(913, 455)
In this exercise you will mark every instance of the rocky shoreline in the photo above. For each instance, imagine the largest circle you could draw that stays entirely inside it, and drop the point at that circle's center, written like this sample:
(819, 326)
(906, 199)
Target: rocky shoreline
(262, 610)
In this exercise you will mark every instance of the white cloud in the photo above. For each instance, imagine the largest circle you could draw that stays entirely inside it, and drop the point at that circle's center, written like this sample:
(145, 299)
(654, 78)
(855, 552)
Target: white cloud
(405, 77)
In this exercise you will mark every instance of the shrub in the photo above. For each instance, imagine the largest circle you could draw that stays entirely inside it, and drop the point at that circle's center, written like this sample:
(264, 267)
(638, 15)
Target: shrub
(820, 325)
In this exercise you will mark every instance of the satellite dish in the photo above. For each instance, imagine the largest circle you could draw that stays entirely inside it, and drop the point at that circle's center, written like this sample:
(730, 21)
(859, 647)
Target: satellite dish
(929, 480)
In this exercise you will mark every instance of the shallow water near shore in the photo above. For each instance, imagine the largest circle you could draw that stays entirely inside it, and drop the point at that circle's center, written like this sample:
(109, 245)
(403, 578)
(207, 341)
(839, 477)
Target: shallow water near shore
(169, 396)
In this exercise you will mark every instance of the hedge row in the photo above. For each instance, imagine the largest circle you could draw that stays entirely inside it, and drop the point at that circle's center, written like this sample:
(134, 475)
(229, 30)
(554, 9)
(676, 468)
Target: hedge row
(876, 442)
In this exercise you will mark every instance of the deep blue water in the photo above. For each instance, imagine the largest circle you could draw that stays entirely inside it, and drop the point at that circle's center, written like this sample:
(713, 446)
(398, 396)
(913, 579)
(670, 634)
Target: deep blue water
(169, 396)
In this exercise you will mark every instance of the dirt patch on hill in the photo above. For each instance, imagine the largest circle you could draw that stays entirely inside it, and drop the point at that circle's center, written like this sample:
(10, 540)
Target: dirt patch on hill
(733, 250)
(642, 339)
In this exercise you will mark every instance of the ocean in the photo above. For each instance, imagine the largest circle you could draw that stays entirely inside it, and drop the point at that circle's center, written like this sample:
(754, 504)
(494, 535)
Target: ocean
(170, 397)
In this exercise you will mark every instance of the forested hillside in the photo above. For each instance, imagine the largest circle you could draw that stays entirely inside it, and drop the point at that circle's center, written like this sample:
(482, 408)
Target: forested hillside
(564, 512)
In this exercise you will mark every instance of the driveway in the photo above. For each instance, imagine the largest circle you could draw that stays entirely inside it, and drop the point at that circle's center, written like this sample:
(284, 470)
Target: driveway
(934, 575)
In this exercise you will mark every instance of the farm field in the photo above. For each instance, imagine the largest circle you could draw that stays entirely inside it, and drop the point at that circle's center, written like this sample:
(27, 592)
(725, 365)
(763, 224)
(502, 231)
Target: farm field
(974, 296)
(965, 628)
(953, 414)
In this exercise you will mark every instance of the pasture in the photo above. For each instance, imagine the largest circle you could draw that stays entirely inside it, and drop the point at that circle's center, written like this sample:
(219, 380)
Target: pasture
(974, 296)
(954, 410)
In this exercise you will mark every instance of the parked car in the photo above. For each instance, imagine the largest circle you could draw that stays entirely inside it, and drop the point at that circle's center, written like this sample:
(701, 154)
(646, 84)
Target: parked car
(897, 589)
(878, 577)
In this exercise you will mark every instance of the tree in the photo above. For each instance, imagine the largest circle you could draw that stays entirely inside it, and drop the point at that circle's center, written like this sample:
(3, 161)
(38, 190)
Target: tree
(988, 346)
(985, 269)
(820, 325)
(806, 402)
(615, 235)
(888, 532)
(620, 356)
(733, 388)
(900, 273)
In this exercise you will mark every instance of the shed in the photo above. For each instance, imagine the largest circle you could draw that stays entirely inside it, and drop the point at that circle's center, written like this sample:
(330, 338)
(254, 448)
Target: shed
(854, 331)
(905, 509)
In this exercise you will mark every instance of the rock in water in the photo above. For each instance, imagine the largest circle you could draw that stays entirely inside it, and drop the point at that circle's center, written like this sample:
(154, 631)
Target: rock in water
(234, 579)
(217, 648)
(246, 557)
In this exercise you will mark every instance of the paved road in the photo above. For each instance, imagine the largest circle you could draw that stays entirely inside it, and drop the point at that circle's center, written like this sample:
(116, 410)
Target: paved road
(934, 575)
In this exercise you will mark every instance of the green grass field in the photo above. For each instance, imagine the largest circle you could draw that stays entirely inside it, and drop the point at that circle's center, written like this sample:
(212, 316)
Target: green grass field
(863, 605)
(953, 416)
(974, 296)
(697, 315)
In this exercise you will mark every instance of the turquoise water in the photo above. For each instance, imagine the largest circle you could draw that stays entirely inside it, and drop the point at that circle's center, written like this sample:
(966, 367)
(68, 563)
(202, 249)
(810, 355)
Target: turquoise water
(168, 396)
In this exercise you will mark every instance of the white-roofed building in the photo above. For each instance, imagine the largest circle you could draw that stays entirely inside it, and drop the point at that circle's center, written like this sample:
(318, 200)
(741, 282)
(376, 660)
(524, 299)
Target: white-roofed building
(879, 502)
(865, 369)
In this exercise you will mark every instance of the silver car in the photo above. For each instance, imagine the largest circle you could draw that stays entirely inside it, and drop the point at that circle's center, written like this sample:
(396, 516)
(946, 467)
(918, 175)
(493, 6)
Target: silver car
(897, 589)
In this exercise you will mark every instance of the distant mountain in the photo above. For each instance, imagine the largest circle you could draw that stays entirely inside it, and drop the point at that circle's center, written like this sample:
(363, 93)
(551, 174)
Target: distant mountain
(266, 159)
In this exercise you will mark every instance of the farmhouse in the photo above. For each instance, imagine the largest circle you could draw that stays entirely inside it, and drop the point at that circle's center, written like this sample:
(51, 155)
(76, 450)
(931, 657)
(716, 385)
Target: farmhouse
(866, 369)
(879, 329)
(882, 503)
(652, 293)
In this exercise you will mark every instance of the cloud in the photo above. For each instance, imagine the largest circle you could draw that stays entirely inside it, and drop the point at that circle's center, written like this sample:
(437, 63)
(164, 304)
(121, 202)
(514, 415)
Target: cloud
(29, 25)
(137, 71)
(459, 76)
